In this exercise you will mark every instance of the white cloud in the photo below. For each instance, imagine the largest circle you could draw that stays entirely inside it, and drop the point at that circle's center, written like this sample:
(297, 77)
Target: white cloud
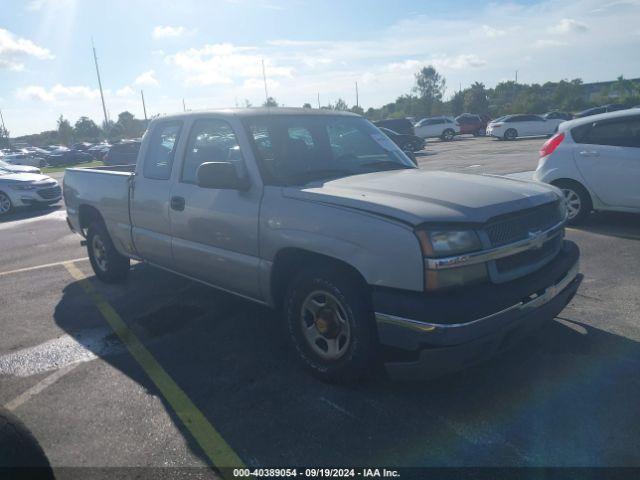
(56, 93)
(568, 26)
(545, 43)
(125, 91)
(146, 79)
(167, 31)
(491, 32)
(216, 64)
(407, 65)
(469, 60)
(14, 49)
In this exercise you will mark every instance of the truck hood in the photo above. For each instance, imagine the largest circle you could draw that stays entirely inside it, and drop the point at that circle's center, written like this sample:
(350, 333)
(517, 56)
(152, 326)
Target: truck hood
(36, 178)
(416, 196)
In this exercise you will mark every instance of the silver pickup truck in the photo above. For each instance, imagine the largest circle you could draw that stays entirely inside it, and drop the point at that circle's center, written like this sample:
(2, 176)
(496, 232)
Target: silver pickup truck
(320, 215)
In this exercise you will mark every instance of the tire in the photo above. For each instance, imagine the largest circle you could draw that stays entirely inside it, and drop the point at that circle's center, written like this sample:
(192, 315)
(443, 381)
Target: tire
(579, 204)
(511, 134)
(327, 305)
(448, 135)
(5, 204)
(108, 265)
(19, 448)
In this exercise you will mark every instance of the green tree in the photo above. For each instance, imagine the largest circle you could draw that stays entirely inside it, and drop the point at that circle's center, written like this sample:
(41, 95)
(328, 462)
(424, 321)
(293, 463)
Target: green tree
(86, 129)
(306, 105)
(65, 131)
(357, 109)
(456, 104)
(475, 99)
(341, 105)
(430, 87)
(270, 102)
(4, 137)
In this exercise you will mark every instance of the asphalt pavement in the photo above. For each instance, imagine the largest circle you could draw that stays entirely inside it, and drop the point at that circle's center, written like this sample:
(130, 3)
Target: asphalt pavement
(567, 397)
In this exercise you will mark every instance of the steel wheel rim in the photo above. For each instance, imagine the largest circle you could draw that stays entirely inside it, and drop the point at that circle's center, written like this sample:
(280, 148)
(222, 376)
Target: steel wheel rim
(5, 203)
(99, 253)
(325, 326)
(574, 204)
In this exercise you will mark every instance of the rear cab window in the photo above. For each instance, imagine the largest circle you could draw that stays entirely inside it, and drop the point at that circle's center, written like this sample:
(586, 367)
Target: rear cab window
(161, 150)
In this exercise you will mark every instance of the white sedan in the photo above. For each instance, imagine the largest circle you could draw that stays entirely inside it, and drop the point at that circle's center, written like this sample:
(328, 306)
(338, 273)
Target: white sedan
(25, 159)
(595, 161)
(437, 127)
(18, 168)
(511, 127)
(26, 189)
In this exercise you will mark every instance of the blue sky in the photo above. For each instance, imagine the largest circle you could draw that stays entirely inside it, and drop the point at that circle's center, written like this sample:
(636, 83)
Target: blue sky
(210, 52)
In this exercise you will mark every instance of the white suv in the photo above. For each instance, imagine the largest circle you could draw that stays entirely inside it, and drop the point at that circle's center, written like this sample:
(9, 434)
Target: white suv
(437, 127)
(595, 161)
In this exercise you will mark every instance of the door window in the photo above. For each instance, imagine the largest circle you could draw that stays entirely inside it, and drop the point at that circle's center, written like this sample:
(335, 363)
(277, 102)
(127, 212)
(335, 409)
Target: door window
(161, 150)
(618, 133)
(211, 140)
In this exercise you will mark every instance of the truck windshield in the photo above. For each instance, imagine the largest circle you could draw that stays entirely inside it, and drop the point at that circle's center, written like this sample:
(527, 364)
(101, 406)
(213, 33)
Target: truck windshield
(298, 149)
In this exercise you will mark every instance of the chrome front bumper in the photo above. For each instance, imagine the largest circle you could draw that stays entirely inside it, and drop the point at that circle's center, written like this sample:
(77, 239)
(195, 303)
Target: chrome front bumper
(442, 334)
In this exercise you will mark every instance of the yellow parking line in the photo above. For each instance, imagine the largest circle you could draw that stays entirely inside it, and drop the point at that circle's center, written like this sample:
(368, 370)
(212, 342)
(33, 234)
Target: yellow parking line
(46, 265)
(211, 442)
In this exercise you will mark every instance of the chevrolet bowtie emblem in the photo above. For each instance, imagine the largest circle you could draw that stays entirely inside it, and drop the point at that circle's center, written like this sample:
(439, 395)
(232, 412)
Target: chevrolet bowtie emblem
(537, 239)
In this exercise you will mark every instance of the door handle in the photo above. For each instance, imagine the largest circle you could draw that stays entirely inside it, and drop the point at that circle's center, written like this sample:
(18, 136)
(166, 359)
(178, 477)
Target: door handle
(177, 203)
(589, 153)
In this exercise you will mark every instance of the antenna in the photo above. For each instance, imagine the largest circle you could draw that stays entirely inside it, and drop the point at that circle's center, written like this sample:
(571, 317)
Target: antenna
(264, 78)
(104, 108)
(144, 108)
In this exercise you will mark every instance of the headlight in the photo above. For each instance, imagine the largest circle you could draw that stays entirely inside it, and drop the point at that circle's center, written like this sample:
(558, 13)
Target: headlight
(442, 243)
(562, 207)
(23, 187)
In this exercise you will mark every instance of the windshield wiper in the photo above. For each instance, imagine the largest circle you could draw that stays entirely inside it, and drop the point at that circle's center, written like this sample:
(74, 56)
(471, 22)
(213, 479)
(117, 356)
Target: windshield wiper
(314, 175)
(387, 165)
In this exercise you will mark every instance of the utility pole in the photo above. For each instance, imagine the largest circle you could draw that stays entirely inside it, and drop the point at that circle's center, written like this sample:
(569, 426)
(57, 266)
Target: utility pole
(318, 100)
(357, 98)
(144, 108)
(2, 118)
(516, 76)
(104, 108)
(264, 78)
(184, 107)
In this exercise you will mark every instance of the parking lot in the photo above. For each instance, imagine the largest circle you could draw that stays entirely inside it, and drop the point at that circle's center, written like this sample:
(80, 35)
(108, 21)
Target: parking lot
(193, 377)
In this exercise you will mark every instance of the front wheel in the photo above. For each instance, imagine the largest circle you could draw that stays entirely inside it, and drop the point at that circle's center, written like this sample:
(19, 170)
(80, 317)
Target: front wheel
(330, 324)
(511, 134)
(5, 204)
(108, 265)
(448, 135)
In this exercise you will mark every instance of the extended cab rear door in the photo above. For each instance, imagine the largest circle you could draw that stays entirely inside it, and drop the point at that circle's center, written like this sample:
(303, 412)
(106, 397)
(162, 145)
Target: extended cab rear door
(151, 227)
(215, 231)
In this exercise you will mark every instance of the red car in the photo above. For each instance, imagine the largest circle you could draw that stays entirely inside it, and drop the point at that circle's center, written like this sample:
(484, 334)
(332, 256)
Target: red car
(473, 124)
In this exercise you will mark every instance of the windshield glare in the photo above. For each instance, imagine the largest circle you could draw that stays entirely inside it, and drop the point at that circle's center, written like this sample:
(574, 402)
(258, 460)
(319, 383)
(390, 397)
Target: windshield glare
(294, 150)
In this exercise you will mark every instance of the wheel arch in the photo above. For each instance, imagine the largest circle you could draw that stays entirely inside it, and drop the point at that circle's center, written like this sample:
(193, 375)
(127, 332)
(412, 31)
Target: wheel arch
(87, 214)
(290, 260)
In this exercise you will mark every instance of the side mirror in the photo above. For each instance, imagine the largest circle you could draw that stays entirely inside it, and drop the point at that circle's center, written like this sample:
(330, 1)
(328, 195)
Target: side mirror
(221, 175)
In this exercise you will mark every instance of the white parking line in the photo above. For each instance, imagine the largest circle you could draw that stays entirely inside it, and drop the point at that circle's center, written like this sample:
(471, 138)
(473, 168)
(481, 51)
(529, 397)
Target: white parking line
(46, 265)
(39, 387)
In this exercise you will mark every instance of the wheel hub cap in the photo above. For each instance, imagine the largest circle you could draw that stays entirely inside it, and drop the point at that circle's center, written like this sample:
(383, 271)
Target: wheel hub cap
(325, 325)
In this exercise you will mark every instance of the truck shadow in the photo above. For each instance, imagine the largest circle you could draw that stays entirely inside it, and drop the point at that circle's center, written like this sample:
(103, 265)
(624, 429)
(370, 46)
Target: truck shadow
(568, 396)
(615, 224)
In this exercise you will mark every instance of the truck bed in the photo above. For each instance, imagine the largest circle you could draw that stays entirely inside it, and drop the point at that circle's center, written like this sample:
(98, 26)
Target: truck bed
(106, 189)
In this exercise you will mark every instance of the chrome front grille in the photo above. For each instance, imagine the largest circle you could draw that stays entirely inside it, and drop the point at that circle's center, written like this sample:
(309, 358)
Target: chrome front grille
(529, 258)
(517, 226)
(50, 193)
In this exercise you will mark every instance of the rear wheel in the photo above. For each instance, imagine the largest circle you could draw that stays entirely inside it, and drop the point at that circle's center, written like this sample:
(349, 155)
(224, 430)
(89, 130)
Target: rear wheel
(5, 204)
(330, 324)
(108, 265)
(578, 200)
(511, 134)
(448, 135)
